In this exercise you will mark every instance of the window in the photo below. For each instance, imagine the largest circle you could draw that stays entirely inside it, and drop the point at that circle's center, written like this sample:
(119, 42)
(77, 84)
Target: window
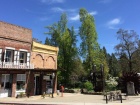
(21, 79)
(9, 55)
(5, 84)
(23, 57)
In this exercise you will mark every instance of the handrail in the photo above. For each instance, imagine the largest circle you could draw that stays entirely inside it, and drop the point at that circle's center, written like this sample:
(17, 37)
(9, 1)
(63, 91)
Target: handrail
(16, 66)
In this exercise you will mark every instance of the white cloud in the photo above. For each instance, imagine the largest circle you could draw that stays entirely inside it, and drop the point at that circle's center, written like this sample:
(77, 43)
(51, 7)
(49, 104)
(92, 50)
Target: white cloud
(57, 9)
(75, 18)
(52, 1)
(113, 23)
(93, 13)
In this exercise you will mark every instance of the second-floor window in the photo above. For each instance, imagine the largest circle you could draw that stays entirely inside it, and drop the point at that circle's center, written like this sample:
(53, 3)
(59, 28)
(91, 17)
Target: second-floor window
(23, 57)
(9, 55)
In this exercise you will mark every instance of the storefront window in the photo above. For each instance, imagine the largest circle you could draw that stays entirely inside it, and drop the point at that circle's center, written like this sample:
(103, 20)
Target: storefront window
(5, 84)
(21, 79)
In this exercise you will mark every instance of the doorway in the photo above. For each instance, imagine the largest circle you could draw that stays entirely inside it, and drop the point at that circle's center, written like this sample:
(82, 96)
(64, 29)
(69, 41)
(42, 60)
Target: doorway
(6, 84)
(37, 90)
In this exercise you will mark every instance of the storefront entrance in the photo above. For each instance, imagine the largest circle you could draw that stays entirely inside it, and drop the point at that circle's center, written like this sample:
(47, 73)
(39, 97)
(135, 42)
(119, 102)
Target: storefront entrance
(6, 84)
(37, 90)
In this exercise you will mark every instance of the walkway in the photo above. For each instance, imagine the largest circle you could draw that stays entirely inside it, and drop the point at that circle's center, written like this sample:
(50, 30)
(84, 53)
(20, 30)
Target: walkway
(69, 99)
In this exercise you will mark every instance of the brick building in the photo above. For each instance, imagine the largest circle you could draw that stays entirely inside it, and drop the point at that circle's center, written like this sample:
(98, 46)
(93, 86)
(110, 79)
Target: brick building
(25, 66)
(44, 58)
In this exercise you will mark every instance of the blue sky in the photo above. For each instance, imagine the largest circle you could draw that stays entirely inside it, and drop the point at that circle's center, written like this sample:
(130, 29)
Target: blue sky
(110, 15)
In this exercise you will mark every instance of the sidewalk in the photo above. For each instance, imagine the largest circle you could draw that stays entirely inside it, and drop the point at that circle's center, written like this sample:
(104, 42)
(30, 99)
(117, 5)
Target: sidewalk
(69, 99)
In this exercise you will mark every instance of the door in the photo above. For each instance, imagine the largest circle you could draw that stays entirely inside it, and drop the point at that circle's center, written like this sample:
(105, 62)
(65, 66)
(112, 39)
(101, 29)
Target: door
(37, 85)
(5, 86)
(10, 85)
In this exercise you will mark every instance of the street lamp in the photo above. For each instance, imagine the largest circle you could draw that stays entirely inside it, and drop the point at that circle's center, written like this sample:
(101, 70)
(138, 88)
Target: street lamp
(53, 75)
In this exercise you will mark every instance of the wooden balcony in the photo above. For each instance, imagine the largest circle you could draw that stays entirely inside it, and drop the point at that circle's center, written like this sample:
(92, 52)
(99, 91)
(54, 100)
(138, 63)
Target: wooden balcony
(16, 66)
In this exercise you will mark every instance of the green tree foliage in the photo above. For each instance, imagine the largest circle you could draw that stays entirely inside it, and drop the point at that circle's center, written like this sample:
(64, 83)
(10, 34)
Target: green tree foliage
(78, 69)
(113, 63)
(65, 39)
(114, 68)
(89, 47)
(87, 32)
(127, 48)
(88, 85)
(136, 56)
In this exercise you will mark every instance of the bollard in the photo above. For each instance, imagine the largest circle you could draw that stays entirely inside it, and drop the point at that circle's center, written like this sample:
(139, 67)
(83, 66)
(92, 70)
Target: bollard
(106, 99)
(120, 98)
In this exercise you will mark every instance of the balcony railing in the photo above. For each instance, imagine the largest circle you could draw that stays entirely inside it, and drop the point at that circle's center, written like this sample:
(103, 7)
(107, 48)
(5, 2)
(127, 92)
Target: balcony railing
(16, 66)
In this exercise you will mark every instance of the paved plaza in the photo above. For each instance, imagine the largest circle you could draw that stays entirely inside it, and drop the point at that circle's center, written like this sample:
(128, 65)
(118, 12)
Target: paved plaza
(69, 99)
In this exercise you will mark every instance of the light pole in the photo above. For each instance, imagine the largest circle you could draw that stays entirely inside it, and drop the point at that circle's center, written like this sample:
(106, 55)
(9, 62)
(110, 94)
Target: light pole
(102, 76)
(53, 75)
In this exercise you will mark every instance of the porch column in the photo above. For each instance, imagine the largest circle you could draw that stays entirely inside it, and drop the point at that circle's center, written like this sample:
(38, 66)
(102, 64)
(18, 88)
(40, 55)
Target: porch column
(14, 81)
(30, 84)
(0, 80)
(55, 83)
(44, 84)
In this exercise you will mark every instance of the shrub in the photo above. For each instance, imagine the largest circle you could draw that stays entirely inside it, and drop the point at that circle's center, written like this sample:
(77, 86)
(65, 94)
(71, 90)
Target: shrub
(111, 83)
(88, 85)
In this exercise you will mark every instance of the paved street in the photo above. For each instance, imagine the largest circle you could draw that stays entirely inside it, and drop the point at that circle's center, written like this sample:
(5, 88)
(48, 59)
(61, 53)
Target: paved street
(69, 99)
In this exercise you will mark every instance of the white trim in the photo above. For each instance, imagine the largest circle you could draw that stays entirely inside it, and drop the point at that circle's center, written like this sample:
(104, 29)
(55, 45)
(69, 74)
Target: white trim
(15, 57)
(0, 54)
(23, 50)
(0, 50)
(28, 59)
(11, 48)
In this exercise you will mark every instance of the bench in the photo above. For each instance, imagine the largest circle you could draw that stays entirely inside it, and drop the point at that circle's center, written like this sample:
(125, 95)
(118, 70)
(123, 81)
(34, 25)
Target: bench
(115, 95)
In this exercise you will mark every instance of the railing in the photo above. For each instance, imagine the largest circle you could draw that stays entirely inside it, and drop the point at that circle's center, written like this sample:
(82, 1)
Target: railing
(16, 66)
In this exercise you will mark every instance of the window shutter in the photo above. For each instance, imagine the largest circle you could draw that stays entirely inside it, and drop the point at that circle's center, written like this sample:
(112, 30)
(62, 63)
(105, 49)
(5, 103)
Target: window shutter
(0, 55)
(5, 55)
(15, 57)
(28, 59)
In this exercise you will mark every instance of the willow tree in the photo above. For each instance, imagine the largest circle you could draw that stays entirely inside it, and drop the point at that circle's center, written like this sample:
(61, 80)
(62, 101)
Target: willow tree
(89, 46)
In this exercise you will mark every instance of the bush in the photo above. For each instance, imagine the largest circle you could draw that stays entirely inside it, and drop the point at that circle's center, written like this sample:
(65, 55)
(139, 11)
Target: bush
(88, 85)
(111, 83)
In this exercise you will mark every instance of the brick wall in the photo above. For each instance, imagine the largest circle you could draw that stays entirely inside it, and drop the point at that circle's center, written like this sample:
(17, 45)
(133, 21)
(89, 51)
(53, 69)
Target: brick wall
(41, 60)
(15, 32)
(15, 36)
(15, 44)
(14, 85)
